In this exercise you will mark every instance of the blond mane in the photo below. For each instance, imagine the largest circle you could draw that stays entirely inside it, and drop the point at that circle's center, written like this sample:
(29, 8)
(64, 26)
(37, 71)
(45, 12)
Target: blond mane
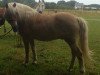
(21, 9)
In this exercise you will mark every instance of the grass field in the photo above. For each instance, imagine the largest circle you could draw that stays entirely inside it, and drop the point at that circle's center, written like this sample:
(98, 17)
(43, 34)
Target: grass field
(53, 57)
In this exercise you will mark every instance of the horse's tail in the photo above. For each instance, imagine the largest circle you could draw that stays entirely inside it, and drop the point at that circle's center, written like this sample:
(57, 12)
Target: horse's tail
(87, 53)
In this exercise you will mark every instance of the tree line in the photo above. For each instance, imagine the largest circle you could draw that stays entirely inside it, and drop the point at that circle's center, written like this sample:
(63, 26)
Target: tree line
(49, 5)
(61, 4)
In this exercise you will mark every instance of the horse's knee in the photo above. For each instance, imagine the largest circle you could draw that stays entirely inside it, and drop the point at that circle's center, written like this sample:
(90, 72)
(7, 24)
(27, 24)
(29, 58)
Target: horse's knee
(79, 53)
(34, 63)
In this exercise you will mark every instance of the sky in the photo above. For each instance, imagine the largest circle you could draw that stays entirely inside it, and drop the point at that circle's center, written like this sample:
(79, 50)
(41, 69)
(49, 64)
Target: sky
(81, 1)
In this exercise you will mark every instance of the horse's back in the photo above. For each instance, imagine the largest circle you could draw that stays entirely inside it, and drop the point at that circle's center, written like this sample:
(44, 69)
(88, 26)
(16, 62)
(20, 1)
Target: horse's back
(53, 26)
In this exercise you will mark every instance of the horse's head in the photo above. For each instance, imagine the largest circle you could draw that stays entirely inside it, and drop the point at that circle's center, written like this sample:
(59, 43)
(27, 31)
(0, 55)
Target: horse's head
(11, 16)
(40, 6)
(16, 13)
(2, 18)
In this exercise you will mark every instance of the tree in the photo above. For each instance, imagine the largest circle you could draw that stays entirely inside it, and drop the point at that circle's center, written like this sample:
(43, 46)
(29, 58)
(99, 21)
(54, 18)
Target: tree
(50, 5)
(66, 5)
(0, 3)
(61, 2)
(71, 4)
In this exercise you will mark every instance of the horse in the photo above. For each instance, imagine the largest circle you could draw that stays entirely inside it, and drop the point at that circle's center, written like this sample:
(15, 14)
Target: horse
(46, 27)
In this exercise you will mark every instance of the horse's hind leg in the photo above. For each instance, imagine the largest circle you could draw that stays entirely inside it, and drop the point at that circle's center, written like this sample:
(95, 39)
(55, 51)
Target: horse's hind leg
(76, 52)
(80, 59)
(33, 51)
(26, 44)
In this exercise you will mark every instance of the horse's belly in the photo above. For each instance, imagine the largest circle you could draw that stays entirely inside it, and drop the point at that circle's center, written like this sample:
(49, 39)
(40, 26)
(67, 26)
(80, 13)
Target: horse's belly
(45, 37)
(53, 35)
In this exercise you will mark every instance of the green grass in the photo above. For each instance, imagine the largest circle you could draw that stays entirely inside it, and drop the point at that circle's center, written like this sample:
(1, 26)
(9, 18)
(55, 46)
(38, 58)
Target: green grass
(53, 57)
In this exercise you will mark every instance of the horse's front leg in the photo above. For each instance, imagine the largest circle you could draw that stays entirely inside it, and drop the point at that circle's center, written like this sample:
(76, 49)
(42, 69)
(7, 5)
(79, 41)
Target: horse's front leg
(73, 56)
(33, 51)
(26, 44)
(72, 62)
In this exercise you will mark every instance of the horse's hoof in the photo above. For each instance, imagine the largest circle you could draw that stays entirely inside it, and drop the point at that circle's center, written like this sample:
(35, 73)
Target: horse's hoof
(69, 70)
(34, 63)
(82, 71)
(25, 64)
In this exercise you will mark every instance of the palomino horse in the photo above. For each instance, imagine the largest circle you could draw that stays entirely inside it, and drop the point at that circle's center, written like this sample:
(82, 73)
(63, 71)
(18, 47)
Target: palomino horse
(32, 25)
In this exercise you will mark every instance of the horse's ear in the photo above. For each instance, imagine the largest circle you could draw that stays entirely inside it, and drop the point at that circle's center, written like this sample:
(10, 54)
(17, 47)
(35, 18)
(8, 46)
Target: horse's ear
(6, 5)
(14, 5)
